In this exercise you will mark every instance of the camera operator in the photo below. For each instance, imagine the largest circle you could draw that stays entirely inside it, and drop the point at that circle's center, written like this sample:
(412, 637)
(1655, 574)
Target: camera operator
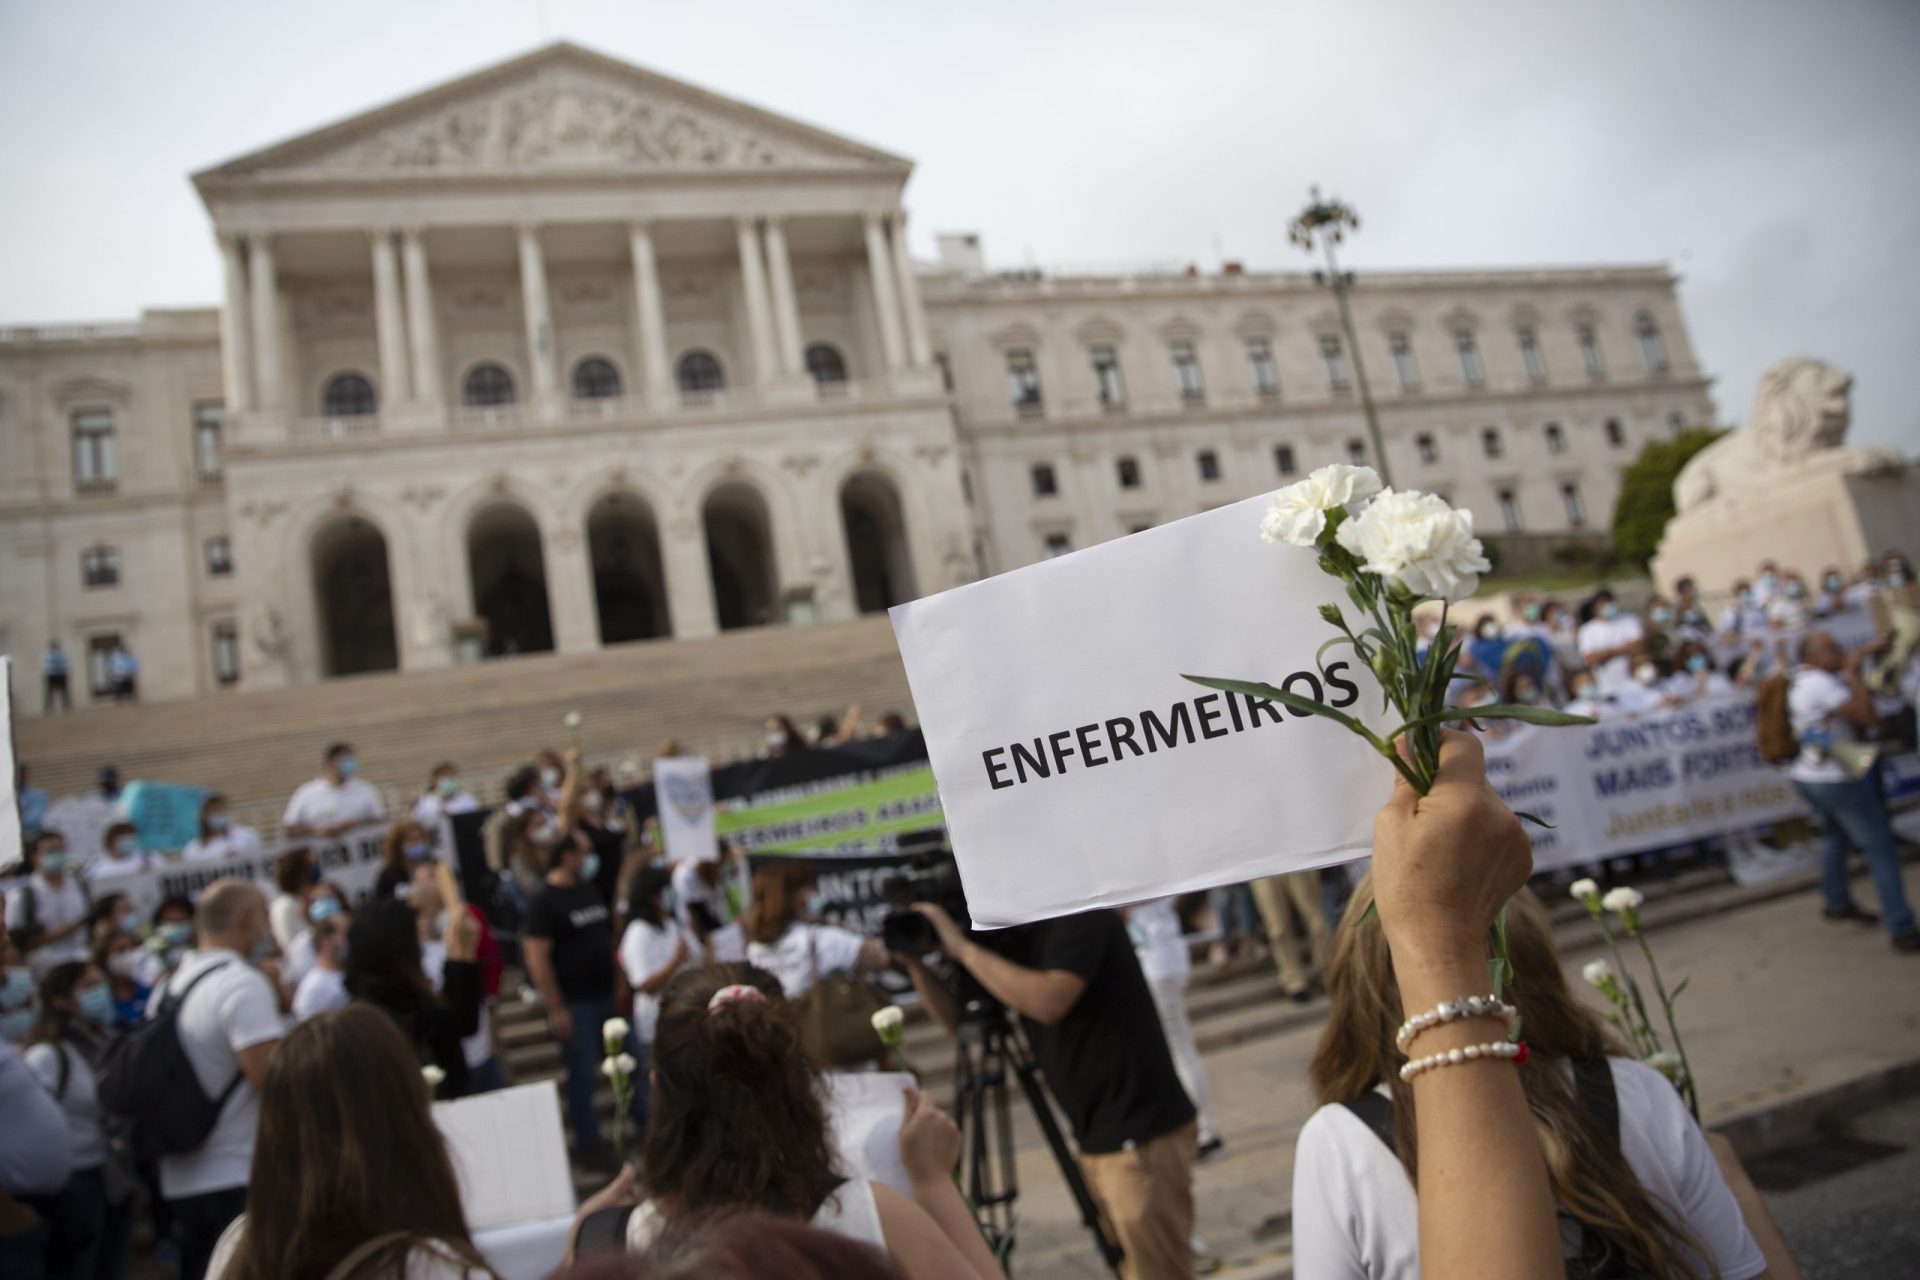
(1090, 1019)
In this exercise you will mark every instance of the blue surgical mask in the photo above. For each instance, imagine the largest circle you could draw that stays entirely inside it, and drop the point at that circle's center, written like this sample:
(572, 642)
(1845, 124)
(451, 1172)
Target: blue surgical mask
(177, 934)
(322, 908)
(816, 903)
(1896, 578)
(1698, 662)
(17, 988)
(590, 869)
(14, 1026)
(1833, 583)
(1531, 613)
(217, 821)
(52, 864)
(1746, 596)
(348, 767)
(417, 852)
(1609, 610)
(1767, 579)
(126, 846)
(96, 1005)
(1662, 615)
(449, 787)
(550, 778)
(130, 924)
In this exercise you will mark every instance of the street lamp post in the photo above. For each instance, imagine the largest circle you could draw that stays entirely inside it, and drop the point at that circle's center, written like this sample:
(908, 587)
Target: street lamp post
(1331, 220)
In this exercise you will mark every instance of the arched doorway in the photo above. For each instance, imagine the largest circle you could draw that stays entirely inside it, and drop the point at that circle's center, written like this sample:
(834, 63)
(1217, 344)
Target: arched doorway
(876, 529)
(629, 582)
(509, 576)
(746, 590)
(353, 593)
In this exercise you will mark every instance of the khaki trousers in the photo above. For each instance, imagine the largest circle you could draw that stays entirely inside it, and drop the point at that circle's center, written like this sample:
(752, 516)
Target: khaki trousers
(1272, 896)
(1147, 1194)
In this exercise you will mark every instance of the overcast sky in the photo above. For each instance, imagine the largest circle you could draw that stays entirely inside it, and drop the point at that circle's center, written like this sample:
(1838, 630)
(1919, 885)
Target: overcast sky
(1770, 152)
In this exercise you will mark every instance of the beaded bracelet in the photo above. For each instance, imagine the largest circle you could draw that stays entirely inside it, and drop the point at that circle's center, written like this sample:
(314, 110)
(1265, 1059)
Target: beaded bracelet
(1514, 1049)
(1452, 1011)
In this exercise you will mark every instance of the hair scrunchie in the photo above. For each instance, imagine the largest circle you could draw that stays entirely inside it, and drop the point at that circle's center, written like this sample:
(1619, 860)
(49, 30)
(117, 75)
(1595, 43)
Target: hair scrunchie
(727, 995)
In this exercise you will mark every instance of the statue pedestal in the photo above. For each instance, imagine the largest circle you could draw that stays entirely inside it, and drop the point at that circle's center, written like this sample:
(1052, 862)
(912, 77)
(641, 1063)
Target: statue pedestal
(1821, 516)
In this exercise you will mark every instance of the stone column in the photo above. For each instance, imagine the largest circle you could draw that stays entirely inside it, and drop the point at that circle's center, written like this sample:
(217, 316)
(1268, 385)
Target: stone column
(539, 316)
(236, 338)
(683, 554)
(422, 329)
(576, 620)
(786, 309)
(266, 326)
(919, 346)
(885, 309)
(650, 315)
(753, 280)
(389, 328)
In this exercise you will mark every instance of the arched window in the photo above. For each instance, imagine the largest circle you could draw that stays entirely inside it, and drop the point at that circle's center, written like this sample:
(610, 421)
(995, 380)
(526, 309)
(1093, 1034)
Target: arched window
(825, 363)
(348, 395)
(595, 378)
(487, 384)
(699, 371)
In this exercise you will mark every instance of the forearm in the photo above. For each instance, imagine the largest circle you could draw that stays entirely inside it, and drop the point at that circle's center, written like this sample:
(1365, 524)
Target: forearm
(1026, 991)
(1759, 1220)
(941, 1199)
(935, 995)
(540, 969)
(657, 981)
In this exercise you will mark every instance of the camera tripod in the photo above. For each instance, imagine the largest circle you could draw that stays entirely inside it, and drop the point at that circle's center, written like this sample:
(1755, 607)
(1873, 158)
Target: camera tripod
(989, 1048)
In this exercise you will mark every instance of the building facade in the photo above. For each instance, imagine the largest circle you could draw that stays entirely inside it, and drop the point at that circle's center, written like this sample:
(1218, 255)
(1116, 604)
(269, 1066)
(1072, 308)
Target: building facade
(567, 354)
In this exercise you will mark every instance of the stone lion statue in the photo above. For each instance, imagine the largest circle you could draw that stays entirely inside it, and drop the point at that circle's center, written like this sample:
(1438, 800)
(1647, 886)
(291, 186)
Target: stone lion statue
(1801, 408)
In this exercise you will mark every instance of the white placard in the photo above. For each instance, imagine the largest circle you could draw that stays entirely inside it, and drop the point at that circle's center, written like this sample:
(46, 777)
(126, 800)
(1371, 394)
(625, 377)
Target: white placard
(10, 847)
(864, 1113)
(1078, 770)
(510, 1155)
(683, 796)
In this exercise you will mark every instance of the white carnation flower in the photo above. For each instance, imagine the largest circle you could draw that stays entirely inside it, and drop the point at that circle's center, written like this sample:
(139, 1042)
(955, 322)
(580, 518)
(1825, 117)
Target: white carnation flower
(888, 1021)
(433, 1075)
(619, 1064)
(1667, 1063)
(614, 1030)
(1581, 890)
(1598, 973)
(1622, 900)
(1298, 514)
(1418, 541)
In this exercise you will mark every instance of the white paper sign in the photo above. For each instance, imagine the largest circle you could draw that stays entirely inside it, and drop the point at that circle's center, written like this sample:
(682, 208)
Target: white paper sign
(1077, 769)
(864, 1112)
(683, 794)
(510, 1155)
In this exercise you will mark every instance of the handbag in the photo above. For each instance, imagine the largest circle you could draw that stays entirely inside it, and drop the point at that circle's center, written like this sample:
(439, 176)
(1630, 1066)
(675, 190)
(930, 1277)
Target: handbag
(836, 1016)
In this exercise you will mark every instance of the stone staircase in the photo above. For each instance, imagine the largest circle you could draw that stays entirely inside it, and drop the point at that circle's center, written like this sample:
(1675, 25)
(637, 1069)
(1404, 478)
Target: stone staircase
(257, 746)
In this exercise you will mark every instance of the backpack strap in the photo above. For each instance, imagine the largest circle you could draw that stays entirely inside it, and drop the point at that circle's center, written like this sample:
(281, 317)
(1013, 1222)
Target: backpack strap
(349, 1267)
(171, 1004)
(1375, 1110)
(603, 1233)
(1593, 1082)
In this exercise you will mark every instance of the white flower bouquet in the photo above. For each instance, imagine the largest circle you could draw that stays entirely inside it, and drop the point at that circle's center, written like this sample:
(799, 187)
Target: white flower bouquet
(619, 1068)
(1394, 551)
(1615, 982)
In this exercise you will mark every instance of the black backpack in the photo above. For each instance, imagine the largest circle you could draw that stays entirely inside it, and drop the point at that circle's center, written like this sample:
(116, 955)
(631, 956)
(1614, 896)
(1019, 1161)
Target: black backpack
(145, 1078)
(1589, 1254)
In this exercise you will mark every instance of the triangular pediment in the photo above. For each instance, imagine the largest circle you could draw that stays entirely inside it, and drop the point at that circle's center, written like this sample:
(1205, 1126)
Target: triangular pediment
(561, 109)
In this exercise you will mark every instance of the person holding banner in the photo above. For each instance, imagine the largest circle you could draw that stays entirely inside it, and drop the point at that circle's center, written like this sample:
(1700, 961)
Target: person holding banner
(119, 854)
(220, 837)
(335, 802)
(444, 796)
(47, 913)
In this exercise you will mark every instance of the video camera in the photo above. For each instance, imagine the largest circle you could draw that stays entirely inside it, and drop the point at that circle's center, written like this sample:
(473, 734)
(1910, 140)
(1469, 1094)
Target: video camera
(931, 876)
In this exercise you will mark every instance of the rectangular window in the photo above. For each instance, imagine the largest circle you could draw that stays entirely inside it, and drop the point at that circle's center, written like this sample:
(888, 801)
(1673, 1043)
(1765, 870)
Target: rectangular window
(1283, 459)
(96, 462)
(1186, 371)
(1335, 357)
(1530, 353)
(1616, 436)
(1556, 438)
(100, 567)
(1129, 472)
(1576, 513)
(1429, 448)
(1404, 365)
(208, 416)
(1490, 442)
(99, 668)
(219, 557)
(1209, 464)
(226, 653)
(1357, 452)
(1045, 484)
(1023, 380)
(1653, 351)
(1106, 373)
(1058, 544)
(1510, 510)
(1590, 352)
(1469, 349)
(1266, 375)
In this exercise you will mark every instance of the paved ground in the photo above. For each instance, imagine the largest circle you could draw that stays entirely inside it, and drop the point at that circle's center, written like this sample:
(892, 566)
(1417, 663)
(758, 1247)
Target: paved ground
(1863, 1223)
(1781, 1004)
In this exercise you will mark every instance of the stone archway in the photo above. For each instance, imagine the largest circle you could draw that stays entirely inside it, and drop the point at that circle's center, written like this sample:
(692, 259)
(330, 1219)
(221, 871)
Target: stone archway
(509, 574)
(874, 521)
(629, 580)
(746, 583)
(353, 598)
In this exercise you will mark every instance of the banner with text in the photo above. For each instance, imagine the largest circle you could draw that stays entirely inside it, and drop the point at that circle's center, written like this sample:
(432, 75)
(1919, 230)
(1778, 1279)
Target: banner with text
(848, 815)
(350, 860)
(1078, 769)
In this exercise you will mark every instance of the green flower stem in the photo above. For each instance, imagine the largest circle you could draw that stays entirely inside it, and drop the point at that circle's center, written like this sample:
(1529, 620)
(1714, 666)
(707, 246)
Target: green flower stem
(1646, 1041)
(1673, 1027)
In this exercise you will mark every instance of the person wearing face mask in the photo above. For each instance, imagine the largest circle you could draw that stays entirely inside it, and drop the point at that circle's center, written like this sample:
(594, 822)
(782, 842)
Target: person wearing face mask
(294, 872)
(444, 796)
(335, 802)
(16, 993)
(91, 1220)
(1896, 572)
(1766, 584)
(324, 986)
(1744, 617)
(1694, 675)
(118, 955)
(324, 901)
(229, 1022)
(120, 854)
(1610, 641)
(553, 774)
(219, 836)
(653, 949)
(1690, 621)
(567, 940)
(434, 918)
(785, 936)
(1791, 606)
(408, 845)
(171, 940)
(1831, 597)
(783, 737)
(1584, 698)
(47, 914)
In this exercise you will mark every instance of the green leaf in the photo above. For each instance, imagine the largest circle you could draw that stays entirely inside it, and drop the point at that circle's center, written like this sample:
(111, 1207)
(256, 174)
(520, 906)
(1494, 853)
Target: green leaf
(1320, 654)
(1293, 701)
(1679, 987)
(1534, 819)
(1499, 711)
(1373, 909)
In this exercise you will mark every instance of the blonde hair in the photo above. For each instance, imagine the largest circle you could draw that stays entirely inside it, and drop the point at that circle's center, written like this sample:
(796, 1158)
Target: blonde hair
(1591, 1178)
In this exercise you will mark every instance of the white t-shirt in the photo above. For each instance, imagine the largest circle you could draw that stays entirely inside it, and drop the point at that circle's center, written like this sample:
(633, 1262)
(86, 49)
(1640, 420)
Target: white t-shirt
(288, 917)
(320, 991)
(1812, 699)
(319, 803)
(727, 944)
(645, 949)
(234, 842)
(689, 888)
(80, 1103)
(107, 866)
(1610, 633)
(423, 1263)
(233, 1009)
(296, 962)
(51, 909)
(431, 807)
(1155, 928)
(1355, 1215)
(1688, 684)
(804, 952)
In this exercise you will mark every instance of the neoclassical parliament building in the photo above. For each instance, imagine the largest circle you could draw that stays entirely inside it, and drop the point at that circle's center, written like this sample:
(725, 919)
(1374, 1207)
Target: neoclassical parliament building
(567, 354)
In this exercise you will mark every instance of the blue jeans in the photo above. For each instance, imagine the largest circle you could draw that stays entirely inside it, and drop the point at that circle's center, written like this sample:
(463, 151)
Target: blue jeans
(1853, 814)
(1233, 909)
(583, 1053)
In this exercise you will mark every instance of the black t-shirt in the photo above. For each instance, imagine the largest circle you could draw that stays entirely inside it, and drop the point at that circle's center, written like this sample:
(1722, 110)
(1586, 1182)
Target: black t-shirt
(1107, 1061)
(576, 920)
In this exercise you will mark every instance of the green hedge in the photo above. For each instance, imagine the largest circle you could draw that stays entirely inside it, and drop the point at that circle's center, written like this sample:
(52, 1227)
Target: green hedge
(1646, 493)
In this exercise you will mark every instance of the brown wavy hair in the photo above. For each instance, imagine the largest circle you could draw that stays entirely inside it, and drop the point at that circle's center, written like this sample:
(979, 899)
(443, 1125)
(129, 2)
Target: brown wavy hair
(347, 1151)
(780, 890)
(739, 1112)
(1591, 1178)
